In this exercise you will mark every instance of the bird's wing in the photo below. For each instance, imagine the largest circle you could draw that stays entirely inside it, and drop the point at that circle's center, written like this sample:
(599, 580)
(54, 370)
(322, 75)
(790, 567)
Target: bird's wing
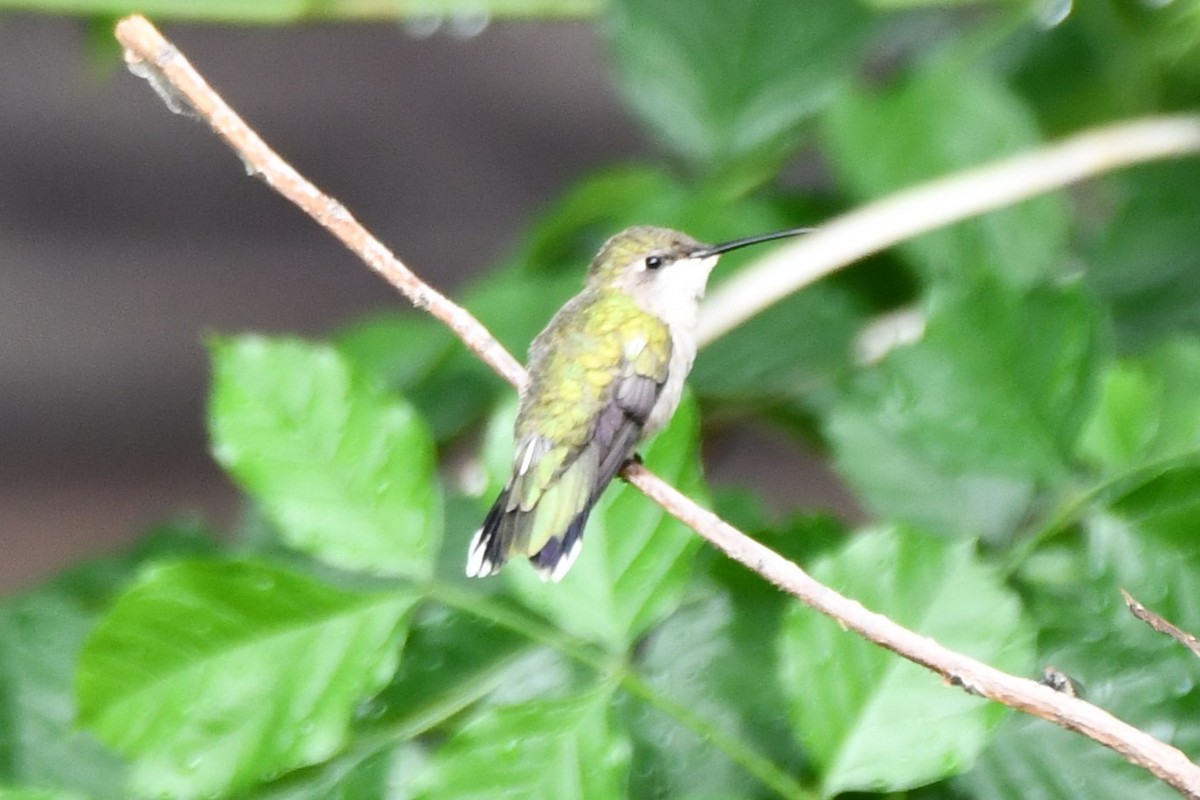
(544, 508)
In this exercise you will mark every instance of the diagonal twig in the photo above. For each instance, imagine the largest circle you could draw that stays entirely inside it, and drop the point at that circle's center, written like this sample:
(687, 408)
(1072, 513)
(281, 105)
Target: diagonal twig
(1161, 625)
(150, 55)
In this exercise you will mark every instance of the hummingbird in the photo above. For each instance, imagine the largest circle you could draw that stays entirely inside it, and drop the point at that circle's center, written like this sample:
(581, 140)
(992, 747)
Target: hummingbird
(605, 374)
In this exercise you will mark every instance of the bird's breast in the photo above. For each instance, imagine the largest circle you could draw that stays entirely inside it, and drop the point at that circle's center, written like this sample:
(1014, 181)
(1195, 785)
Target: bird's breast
(683, 355)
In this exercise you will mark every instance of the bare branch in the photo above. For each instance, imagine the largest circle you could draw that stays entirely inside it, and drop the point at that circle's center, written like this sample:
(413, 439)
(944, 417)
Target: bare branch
(975, 677)
(152, 56)
(1161, 625)
(910, 212)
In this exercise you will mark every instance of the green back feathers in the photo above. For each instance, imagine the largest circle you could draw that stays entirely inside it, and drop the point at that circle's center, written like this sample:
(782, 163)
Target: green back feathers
(590, 343)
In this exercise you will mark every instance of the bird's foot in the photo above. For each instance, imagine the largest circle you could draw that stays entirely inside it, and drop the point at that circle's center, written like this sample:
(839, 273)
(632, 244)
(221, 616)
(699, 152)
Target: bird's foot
(636, 458)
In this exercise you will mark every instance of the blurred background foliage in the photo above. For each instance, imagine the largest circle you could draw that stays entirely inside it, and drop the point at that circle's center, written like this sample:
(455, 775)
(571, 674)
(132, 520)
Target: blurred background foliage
(1037, 449)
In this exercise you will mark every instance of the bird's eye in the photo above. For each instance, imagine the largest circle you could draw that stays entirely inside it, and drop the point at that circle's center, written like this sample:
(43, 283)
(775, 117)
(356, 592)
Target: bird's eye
(654, 262)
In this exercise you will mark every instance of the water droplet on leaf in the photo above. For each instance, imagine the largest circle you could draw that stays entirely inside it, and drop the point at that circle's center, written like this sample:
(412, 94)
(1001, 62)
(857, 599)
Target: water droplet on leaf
(1052, 13)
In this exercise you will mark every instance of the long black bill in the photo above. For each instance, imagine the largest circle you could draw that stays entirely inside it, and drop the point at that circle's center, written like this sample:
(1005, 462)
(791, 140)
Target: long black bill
(725, 247)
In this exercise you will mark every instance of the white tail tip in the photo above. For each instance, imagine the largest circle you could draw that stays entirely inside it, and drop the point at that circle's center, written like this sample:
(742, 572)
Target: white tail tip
(558, 571)
(478, 564)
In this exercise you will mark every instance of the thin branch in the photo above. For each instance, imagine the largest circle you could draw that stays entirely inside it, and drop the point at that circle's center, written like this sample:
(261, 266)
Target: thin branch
(1161, 625)
(975, 677)
(181, 87)
(153, 57)
(900, 216)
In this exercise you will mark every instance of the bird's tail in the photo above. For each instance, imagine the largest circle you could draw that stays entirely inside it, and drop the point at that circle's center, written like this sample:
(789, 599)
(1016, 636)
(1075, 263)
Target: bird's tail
(560, 552)
(506, 529)
(488, 552)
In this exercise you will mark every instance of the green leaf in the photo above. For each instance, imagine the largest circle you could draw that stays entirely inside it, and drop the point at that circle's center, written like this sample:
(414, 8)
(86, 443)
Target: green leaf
(418, 357)
(41, 634)
(789, 349)
(451, 660)
(1167, 504)
(635, 563)
(956, 430)
(1143, 259)
(1147, 410)
(729, 83)
(899, 481)
(1089, 69)
(40, 637)
(401, 349)
(944, 118)
(554, 749)
(716, 659)
(1032, 759)
(596, 207)
(870, 719)
(344, 470)
(1145, 545)
(1137, 541)
(24, 793)
(895, 5)
(515, 304)
(669, 759)
(447, 383)
(215, 675)
(366, 771)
